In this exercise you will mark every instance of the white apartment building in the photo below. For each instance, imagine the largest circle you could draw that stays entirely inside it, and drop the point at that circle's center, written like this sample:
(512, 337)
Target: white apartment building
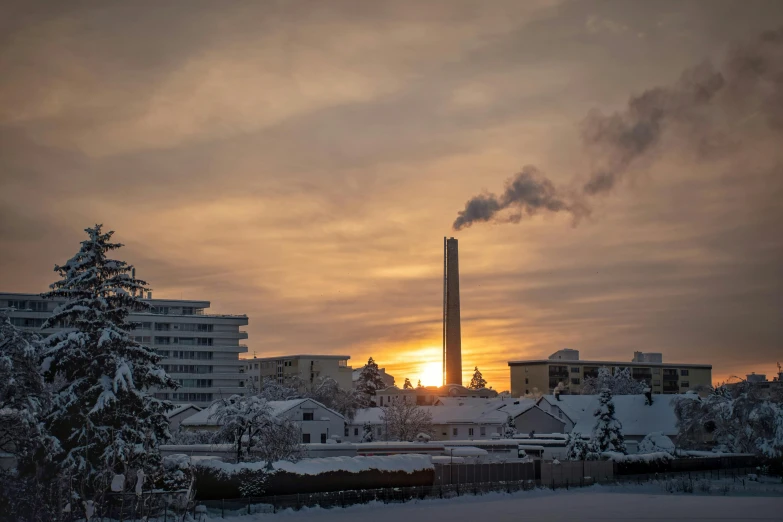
(200, 350)
(308, 368)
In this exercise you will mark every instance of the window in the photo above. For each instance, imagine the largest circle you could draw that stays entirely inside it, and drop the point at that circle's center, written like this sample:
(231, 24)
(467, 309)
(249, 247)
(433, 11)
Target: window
(188, 310)
(684, 373)
(575, 380)
(323, 438)
(307, 416)
(527, 392)
(685, 384)
(39, 306)
(483, 431)
(470, 432)
(162, 327)
(379, 432)
(255, 366)
(345, 433)
(146, 326)
(356, 432)
(575, 369)
(525, 369)
(455, 431)
(305, 438)
(19, 305)
(205, 341)
(161, 340)
(381, 400)
(527, 381)
(656, 371)
(241, 384)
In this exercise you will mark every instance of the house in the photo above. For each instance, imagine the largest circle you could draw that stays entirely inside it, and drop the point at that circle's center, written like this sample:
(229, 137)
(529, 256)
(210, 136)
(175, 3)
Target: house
(637, 418)
(180, 413)
(465, 418)
(316, 422)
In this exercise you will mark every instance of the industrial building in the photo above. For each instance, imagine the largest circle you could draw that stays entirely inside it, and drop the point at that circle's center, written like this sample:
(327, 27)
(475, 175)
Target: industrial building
(566, 370)
(200, 350)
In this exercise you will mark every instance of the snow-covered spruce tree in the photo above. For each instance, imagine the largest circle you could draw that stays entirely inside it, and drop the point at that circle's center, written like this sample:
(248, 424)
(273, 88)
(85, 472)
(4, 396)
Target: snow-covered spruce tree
(404, 420)
(367, 434)
(608, 431)
(24, 399)
(477, 382)
(509, 429)
(407, 384)
(577, 447)
(370, 381)
(28, 491)
(107, 421)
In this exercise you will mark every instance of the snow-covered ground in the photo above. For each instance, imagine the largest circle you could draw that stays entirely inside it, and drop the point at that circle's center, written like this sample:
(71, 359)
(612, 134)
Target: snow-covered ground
(647, 502)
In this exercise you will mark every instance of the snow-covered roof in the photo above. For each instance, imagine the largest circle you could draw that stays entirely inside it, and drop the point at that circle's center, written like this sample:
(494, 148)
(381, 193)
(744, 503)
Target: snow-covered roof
(180, 408)
(632, 411)
(202, 418)
(440, 415)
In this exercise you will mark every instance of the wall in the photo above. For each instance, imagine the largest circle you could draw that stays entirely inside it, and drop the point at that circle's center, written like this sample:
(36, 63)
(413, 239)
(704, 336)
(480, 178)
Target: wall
(536, 374)
(538, 420)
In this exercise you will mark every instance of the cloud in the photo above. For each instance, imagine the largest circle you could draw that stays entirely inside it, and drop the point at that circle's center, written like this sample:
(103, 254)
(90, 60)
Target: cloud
(748, 84)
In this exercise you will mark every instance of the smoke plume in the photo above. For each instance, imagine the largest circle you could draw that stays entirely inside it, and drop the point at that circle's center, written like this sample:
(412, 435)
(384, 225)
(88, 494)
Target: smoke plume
(750, 83)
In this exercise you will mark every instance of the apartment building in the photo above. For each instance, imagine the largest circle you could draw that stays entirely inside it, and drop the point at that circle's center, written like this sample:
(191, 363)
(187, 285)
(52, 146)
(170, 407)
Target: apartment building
(309, 368)
(565, 366)
(200, 350)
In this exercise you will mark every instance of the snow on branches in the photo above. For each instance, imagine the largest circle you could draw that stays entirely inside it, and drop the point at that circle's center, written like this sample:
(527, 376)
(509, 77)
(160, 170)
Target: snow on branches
(404, 420)
(619, 383)
(104, 415)
(607, 433)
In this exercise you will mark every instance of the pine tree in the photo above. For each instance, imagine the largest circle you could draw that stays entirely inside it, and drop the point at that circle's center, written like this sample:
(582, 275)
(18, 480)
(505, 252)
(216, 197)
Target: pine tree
(477, 382)
(370, 380)
(24, 399)
(367, 435)
(104, 416)
(418, 384)
(577, 448)
(608, 431)
(509, 429)
(407, 385)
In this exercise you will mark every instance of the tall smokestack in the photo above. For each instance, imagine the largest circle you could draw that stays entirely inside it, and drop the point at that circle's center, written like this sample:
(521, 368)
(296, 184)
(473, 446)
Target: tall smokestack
(452, 337)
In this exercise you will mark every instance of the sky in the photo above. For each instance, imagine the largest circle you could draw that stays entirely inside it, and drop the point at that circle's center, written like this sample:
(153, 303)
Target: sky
(614, 169)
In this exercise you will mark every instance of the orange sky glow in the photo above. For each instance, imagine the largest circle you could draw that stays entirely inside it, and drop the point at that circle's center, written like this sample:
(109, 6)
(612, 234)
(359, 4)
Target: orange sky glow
(301, 162)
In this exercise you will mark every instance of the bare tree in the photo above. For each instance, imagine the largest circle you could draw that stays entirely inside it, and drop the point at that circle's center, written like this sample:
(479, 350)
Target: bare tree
(404, 420)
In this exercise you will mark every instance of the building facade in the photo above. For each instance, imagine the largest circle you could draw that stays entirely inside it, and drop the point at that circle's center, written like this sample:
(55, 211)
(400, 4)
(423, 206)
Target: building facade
(316, 422)
(564, 366)
(308, 368)
(200, 350)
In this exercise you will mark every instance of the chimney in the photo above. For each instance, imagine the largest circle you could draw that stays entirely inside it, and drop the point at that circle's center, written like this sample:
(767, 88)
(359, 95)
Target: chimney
(452, 337)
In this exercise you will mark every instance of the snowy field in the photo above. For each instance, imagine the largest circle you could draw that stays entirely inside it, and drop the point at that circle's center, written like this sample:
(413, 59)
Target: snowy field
(646, 502)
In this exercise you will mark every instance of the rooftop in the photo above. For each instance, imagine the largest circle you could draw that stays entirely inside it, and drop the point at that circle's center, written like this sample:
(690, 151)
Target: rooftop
(300, 356)
(564, 362)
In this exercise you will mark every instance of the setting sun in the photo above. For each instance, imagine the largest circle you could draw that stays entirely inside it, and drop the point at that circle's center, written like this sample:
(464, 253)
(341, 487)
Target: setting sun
(431, 374)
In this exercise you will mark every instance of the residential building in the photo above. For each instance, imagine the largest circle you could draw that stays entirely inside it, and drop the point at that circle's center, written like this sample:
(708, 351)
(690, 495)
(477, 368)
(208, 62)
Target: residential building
(200, 350)
(564, 367)
(316, 422)
(759, 382)
(387, 378)
(308, 368)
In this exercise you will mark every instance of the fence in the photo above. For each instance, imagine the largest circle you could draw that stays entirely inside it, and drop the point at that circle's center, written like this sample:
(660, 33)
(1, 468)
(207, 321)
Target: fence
(446, 474)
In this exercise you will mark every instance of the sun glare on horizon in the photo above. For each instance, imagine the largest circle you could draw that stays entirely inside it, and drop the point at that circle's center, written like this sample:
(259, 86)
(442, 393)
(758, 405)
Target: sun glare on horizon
(431, 374)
